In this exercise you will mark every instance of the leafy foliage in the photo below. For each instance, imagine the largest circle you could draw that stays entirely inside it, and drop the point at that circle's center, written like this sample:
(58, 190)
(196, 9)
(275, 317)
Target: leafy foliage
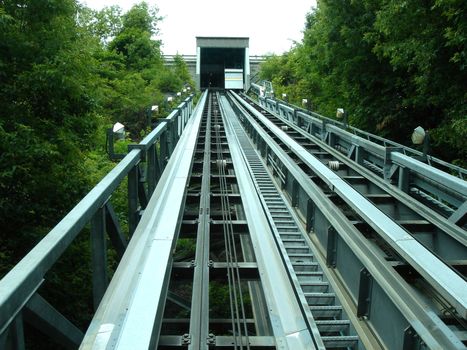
(68, 73)
(392, 64)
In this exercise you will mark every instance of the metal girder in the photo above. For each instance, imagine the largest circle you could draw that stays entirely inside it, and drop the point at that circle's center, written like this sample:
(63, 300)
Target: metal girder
(446, 281)
(99, 256)
(459, 217)
(130, 314)
(290, 330)
(405, 178)
(398, 295)
(24, 278)
(316, 121)
(199, 317)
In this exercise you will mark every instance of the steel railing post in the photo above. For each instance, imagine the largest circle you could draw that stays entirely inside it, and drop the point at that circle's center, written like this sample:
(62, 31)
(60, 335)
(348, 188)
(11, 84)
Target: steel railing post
(99, 256)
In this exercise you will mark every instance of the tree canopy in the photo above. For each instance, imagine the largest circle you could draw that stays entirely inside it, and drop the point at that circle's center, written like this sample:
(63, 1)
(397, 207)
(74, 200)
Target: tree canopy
(393, 65)
(67, 73)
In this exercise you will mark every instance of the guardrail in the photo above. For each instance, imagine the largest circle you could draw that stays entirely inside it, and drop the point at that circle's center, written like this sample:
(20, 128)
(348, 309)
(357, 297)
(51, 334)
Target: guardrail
(142, 166)
(286, 109)
(375, 288)
(438, 184)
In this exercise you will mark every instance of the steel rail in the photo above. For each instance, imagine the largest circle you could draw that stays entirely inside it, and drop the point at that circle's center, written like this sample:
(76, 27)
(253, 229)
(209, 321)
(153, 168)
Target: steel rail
(231, 273)
(130, 314)
(247, 147)
(232, 239)
(290, 331)
(437, 189)
(279, 105)
(421, 317)
(199, 309)
(231, 252)
(21, 283)
(446, 226)
(447, 282)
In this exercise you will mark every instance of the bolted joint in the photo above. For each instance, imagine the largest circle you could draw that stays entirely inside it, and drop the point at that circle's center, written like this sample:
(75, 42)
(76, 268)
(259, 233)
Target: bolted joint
(211, 339)
(186, 339)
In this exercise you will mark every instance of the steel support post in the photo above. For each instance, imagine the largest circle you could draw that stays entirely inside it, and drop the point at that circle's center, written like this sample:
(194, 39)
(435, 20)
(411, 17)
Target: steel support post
(142, 193)
(295, 189)
(133, 215)
(364, 293)
(151, 169)
(310, 215)
(99, 256)
(331, 249)
(359, 154)
(164, 148)
(411, 340)
(403, 182)
(199, 318)
(13, 336)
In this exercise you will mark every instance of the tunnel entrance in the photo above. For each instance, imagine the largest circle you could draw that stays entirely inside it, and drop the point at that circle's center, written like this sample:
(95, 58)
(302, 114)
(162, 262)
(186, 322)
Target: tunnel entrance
(214, 62)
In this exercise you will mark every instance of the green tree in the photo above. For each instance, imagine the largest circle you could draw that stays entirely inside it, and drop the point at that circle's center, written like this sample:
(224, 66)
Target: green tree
(387, 63)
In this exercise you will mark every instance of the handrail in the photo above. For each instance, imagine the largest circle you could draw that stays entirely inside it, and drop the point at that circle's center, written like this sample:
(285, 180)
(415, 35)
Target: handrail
(278, 105)
(21, 283)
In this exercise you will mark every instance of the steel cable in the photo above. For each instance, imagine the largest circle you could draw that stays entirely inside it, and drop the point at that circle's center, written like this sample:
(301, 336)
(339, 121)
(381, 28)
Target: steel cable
(231, 251)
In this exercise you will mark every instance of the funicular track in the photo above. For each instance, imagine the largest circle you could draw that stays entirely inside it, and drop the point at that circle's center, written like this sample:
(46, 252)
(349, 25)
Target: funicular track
(259, 236)
(417, 252)
(218, 277)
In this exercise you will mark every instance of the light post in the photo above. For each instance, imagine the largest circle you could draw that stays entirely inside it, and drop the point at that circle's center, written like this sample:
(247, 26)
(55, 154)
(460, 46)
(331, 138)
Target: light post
(342, 115)
(117, 132)
(421, 137)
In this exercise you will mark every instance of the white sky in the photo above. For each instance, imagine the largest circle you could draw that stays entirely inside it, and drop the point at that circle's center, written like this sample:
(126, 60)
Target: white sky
(271, 25)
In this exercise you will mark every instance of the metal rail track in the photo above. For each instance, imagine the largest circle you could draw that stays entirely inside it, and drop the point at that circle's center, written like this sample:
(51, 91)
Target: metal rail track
(443, 238)
(203, 200)
(406, 255)
(432, 184)
(316, 296)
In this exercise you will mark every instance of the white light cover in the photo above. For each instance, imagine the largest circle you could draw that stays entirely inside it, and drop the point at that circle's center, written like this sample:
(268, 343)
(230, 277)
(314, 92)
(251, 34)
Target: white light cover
(418, 135)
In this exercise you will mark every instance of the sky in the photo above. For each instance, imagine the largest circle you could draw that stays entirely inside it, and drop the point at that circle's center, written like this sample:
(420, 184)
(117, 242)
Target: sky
(271, 25)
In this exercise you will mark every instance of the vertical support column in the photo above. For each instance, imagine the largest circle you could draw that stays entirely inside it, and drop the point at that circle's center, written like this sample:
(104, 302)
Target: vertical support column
(133, 215)
(295, 189)
(359, 153)
(99, 256)
(142, 193)
(310, 215)
(15, 334)
(411, 339)
(170, 137)
(403, 182)
(323, 131)
(364, 293)
(247, 69)
(198, 68)
(164, 148)
(331, 249)
(151, 170)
